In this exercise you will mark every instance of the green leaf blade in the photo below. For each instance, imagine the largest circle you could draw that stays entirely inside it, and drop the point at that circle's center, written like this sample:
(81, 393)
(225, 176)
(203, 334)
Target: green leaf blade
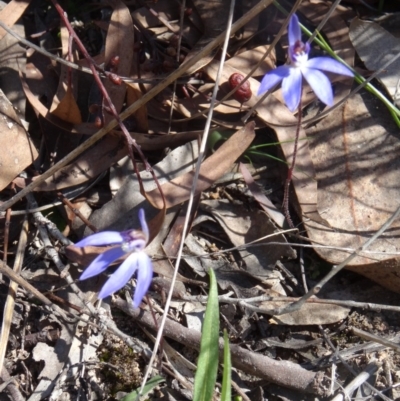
(226, 393)
(207, 366)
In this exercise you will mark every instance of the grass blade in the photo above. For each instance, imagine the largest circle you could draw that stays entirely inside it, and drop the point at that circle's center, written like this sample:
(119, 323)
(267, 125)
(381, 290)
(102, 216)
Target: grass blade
(207, 366)
(226, 377)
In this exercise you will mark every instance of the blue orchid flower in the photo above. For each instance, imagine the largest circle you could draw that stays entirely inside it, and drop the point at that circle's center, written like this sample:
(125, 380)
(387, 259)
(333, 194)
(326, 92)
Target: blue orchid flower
(300, 66)
(131, 241)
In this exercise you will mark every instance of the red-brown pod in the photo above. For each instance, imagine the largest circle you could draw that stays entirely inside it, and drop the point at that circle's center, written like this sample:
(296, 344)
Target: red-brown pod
(98, 123)
(114, 78)
(243, 94)
(114, 61)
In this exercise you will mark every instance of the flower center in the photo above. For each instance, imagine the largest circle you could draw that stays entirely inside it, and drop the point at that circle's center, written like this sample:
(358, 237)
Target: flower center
(299, 48)
(298, 53)
(134, 241)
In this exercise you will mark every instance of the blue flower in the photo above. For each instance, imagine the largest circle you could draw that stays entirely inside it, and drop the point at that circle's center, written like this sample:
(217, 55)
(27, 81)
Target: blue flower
(131, 241)
(300, 66)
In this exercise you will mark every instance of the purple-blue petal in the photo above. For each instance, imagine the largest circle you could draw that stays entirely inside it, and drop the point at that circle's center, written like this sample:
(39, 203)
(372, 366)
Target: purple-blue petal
(102, 262)
(294, 31)
(102, 238)
(121, 276)
(143, 223)
(291, 89)
(144, 277)
(273, 78)
(329, 64)
(320, 84)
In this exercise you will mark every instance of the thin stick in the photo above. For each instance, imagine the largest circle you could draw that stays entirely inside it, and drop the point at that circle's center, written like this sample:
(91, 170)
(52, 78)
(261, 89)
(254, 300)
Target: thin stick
(371, 337)
(12, 291)
(191, 197)
(291, 168)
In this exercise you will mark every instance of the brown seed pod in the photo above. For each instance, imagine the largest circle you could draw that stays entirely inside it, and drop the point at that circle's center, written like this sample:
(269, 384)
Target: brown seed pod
(170, 51)
(114, 78)
(243, 94)
(114, 61)
(98, 123)
(93, 108)
(173, 40)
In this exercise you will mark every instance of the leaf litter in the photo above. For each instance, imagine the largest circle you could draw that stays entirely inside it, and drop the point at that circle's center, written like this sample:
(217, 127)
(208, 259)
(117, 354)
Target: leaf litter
(344, 189)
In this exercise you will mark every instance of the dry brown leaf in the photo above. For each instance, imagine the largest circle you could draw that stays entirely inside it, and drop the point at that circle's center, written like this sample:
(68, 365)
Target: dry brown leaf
(246, 61)
(68, 77)
(11, 13)
(243, 227)
(119, 42)
(214, 16)
(167, 10)
(260, 197)
(41, 109)
(358, 172)
(68, 110)
(18, 150)
(133, 93)
(309, 314)
(369, 38)
(178, 190)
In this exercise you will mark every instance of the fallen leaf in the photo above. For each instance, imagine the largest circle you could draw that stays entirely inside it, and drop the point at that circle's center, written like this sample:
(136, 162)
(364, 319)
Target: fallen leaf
(214, 167)
(355, 155)
(11, 13)
(133, 94)
(22, 153)
(369, 39)
(121, 212)
(246, 61)
(67, 110)
(119, 43)
(260, 197)
(243, 227)
(309, 314)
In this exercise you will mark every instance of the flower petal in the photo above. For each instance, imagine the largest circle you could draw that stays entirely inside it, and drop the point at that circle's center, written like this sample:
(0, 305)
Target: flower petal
(143, 223)
(291, 88)
(272, 78)
(144, 277)
(102, 262)
(320, 84)
(294, 31)
(121, 276)
(102, 238)
(329, 64)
